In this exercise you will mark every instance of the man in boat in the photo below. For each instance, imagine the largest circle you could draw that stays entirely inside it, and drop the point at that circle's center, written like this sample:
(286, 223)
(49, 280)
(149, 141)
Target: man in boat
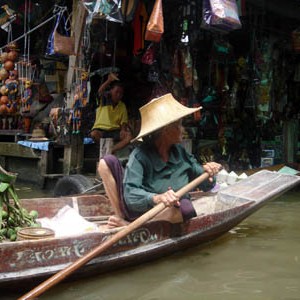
(157, 168)
(111, 115)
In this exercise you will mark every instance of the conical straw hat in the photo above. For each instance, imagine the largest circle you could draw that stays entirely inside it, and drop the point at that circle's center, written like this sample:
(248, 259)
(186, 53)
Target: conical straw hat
(38, 135)
(160, 112)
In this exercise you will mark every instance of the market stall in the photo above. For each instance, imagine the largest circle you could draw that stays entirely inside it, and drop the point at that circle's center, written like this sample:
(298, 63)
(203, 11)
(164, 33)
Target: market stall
(239, 60)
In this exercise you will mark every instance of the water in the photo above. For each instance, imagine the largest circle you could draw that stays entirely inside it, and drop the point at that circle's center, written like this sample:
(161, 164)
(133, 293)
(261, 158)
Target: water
(257, 260)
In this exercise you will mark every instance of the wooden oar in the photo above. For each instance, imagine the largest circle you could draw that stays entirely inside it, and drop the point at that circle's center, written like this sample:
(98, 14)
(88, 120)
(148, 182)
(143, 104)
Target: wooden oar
(56, 278)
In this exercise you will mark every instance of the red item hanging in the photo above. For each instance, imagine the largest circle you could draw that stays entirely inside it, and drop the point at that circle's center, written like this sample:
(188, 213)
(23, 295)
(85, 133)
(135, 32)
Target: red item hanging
(155, 26)
(139, 27)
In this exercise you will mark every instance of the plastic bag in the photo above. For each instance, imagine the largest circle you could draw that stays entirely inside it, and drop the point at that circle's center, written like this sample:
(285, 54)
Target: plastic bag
(105, 9)
(220, 15)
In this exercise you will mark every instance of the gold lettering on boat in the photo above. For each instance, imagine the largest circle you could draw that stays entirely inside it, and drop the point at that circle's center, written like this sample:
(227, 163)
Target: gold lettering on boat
(78, 248)
(32, 256)
(64, 251)
(139, 236)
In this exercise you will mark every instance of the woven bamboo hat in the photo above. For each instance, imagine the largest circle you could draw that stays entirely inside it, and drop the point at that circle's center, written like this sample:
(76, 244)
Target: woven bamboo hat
(160, 112)
(38, 135)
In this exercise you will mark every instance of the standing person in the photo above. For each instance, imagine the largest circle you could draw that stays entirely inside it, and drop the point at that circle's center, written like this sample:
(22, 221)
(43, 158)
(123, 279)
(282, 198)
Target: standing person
(111, 115)
(157, 168)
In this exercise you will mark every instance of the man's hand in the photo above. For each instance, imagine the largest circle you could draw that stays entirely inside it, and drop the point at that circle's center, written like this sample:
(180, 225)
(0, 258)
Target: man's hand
(169, 198)
(110, 78)
(212, 168)
(125, 134)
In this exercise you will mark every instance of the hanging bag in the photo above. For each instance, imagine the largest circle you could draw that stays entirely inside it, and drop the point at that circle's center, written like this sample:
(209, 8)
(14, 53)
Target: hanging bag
(148, 57)
(60, 41)
(155, 26)
(220, 15)
(64, 43)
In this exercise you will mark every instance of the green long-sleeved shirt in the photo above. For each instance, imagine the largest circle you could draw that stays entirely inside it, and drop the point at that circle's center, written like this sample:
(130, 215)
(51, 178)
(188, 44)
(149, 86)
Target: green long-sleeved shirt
(147, 174)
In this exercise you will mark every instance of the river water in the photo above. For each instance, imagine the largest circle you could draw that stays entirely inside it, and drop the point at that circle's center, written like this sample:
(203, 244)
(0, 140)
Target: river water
(257, 260)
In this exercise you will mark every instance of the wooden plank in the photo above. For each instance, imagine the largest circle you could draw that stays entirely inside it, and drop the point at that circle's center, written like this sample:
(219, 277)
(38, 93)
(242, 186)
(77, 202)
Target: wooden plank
(16, 150)
(73, 155)
(9, 135)
(67, 159)
(290, 140)
(80, 155)
(78, 21)
(43, 163)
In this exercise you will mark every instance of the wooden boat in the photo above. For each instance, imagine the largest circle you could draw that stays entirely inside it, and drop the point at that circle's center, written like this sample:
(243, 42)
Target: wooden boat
(28, 262)
(276, 168)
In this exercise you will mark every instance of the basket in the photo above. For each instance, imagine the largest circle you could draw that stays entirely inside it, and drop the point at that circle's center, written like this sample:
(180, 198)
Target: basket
(296, 40)
(35, 233)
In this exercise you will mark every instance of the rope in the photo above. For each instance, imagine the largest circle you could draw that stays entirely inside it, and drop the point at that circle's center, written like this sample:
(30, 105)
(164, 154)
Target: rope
(30, 31)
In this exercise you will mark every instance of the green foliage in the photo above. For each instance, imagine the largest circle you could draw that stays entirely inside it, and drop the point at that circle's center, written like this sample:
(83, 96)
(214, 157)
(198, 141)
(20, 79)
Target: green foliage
(12, 215)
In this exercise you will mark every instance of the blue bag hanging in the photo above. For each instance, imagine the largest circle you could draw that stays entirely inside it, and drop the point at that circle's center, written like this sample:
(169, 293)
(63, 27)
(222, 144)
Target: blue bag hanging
(59, 20)
(50, 43)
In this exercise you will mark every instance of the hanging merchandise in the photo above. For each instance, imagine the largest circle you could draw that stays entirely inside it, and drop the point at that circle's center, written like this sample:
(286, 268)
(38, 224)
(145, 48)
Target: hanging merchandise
(139, 26)
(187, 67)
(176, 71)
(80, 101)
(104, 9)
(12, 85)
(63, 44)
(27, 98)
(148, 57)
(150, 61)
(9, 83)
(220, 15)
(155, 26)
(7, 16)
(296, 40)
(84, 88)
(185, 25)
(128, 9)
(153, 73)
(176, 68)
(60, 42)
(59, 127)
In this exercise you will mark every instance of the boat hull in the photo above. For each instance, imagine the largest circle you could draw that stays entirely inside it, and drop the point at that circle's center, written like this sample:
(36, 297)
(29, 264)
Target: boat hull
(29, 262)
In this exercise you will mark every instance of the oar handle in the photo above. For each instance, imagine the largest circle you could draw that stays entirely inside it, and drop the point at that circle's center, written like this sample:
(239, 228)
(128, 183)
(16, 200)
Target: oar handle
(187, 188)
(56, 278)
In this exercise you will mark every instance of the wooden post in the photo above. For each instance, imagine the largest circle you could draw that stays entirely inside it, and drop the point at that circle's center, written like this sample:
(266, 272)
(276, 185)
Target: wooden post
(78, 22)
(73, 153)
(290, 140)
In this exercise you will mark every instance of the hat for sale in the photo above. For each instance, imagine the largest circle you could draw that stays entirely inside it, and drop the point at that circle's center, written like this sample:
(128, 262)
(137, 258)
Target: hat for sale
(38, 135)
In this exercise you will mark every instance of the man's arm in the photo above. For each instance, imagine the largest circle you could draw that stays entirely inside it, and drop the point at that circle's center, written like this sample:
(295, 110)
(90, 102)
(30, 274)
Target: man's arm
(125, 138)
(111, 77)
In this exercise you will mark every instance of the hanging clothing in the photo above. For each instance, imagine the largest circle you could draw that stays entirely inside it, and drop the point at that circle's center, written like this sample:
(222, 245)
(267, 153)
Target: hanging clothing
(139, 24)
